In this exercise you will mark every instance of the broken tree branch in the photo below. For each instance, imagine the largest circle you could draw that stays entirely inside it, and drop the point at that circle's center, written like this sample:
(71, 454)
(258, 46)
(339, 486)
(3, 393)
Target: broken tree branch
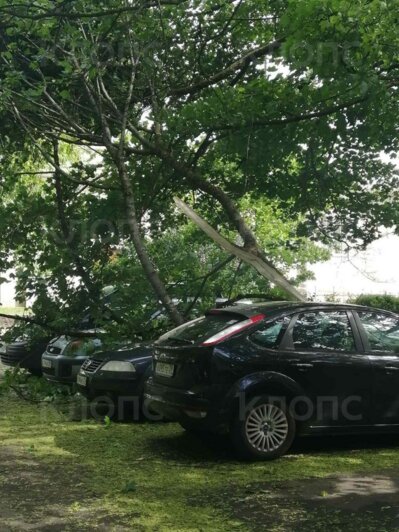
(254, 260)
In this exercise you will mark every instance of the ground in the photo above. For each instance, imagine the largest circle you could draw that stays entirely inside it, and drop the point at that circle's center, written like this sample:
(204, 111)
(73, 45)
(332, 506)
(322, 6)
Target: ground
(57, 474)
(5, 322)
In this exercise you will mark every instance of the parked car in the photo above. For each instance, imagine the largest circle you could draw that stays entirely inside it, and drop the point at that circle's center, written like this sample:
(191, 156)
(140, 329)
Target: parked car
(24, 353)
(267, 372)
(119, 376)
(96, 377)
(64, 355)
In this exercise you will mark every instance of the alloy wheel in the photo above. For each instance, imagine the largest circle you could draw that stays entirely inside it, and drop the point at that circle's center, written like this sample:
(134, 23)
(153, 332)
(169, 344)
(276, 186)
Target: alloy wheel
(266, 428)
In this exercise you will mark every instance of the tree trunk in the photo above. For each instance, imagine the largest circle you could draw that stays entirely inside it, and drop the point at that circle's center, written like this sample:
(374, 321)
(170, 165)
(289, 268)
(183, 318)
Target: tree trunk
(151, 273)
(233, 214)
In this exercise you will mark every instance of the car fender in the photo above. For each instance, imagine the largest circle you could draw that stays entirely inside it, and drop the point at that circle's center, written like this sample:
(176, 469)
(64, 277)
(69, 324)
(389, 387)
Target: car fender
(263, 382)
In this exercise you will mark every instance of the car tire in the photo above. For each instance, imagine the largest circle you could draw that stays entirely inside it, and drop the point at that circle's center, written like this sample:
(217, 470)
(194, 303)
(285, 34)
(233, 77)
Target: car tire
(265, 431)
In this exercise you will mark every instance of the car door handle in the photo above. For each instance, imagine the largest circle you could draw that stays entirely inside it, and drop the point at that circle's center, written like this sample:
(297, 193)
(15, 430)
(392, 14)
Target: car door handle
(304, 366)
(388, 369)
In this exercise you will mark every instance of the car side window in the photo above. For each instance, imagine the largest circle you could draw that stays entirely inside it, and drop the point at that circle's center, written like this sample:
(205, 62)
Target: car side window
(382, 331)
(270, 336)
(328, 331)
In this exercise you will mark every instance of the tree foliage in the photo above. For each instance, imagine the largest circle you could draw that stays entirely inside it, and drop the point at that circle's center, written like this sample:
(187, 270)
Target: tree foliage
(383, 301)
(293, 101)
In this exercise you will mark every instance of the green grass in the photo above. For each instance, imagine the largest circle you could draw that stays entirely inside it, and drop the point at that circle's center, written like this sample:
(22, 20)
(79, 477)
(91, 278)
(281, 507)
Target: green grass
(14, 311)
(157, 477)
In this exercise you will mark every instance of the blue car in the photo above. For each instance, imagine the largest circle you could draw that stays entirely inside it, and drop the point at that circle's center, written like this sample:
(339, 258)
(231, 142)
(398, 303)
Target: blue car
(116, 379)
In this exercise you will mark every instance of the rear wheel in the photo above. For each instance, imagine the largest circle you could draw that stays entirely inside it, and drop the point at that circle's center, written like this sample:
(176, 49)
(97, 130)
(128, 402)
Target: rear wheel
(265, 432)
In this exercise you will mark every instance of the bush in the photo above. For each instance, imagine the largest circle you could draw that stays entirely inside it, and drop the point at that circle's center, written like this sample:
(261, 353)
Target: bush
(383, 301)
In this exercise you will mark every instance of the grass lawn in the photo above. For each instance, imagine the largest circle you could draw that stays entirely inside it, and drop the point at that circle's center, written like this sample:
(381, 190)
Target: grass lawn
(156, 477)
(14, 311)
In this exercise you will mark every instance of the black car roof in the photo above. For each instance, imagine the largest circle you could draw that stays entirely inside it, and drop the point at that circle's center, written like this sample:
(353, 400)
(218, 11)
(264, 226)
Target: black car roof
(264, 307)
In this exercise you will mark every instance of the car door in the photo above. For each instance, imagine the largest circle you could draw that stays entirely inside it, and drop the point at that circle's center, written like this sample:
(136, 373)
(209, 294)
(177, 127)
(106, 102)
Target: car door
(323, 352)
(380, 333)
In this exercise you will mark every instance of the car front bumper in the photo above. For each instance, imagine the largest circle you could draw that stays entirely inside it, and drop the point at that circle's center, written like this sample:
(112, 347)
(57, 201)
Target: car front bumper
(61, 368)
(111, 383)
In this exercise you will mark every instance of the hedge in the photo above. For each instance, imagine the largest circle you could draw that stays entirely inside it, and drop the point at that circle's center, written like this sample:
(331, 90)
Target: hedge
(382, 301)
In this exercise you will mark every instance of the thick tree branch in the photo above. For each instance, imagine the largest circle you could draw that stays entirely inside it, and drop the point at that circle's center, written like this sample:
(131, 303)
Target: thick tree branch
(195, 178)
(118, 156)
(254, 259)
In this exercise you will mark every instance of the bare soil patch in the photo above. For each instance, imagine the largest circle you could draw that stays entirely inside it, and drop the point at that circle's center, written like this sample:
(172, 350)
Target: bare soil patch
(36, 496)
(342, 503)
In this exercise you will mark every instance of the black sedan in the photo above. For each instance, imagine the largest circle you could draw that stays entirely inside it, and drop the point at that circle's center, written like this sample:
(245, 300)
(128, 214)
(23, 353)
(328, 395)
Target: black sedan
(116, 379)
(270, 371)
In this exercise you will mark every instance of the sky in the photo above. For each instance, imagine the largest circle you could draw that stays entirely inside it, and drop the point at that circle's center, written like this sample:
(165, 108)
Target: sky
(374, 271)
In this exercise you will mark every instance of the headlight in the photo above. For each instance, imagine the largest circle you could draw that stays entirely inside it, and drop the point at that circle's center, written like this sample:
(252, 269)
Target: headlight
(117, 365)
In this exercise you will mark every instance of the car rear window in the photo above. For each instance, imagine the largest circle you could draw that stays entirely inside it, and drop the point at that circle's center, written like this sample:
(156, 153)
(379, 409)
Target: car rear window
(271, 335)
(201, 329)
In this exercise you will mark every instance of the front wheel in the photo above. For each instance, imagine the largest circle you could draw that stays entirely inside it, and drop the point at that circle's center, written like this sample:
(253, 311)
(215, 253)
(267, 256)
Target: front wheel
(264, 432)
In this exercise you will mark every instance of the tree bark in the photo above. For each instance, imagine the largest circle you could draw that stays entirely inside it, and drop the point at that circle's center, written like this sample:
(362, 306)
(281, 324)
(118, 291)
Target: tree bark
(151, 273)
(233, 214)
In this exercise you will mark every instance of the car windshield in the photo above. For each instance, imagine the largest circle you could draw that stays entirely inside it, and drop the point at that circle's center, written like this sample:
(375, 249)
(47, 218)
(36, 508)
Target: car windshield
(199, 330)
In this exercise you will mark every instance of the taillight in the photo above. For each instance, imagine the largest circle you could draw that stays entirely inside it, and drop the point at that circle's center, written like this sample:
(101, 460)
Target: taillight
(234, 329)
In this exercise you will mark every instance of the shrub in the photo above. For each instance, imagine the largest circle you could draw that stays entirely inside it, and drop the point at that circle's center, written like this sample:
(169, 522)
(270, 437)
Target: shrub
(382, 301)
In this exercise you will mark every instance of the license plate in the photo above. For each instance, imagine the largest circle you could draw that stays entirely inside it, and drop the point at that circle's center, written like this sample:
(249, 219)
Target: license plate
(164, 370)
(47, 363)
(81, 380)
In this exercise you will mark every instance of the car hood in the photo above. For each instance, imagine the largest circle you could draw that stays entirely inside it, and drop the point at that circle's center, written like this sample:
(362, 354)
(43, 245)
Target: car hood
(131, 352)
